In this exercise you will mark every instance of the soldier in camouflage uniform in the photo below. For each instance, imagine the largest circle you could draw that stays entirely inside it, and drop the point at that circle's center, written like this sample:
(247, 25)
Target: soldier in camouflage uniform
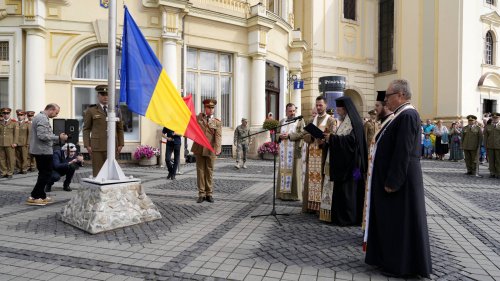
(9, 133)
(95, 126)
(205, 159)
(22, 142)
(241, 141)
(492, 143)
(472, 138)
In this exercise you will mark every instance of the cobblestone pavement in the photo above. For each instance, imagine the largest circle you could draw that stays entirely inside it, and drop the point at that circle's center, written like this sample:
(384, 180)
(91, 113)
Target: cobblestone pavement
(221, 241)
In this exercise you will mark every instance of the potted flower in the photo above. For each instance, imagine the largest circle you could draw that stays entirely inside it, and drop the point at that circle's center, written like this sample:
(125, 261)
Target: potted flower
(271, 124)
(147, 155)
(268, 149)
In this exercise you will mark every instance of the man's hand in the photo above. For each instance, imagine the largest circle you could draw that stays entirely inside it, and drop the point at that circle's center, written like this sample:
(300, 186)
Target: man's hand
(79, 158)
(217, 152)
(89, 150)
(284, 136)
(389, 190)
(63, 137)
(119, 148)
(14, 145)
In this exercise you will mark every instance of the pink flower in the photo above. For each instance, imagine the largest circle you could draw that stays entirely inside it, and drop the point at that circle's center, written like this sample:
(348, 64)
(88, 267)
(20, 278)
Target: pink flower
(269, 147)
(146, 151)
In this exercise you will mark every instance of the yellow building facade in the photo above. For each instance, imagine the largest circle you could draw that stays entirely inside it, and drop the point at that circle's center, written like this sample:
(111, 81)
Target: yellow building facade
(247, 54)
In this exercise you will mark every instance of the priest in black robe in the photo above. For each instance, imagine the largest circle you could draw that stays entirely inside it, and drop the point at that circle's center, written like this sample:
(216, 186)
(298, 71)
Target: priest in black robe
(348, 164)
(397, 238)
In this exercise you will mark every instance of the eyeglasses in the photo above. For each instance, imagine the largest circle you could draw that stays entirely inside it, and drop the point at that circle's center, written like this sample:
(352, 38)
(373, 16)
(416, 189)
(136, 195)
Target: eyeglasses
(5, 113)
(390, 94)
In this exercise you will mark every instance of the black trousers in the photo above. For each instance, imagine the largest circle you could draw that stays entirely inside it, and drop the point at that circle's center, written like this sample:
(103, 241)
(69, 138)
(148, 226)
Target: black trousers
(176, 149)
(44, 165)
(68, 171)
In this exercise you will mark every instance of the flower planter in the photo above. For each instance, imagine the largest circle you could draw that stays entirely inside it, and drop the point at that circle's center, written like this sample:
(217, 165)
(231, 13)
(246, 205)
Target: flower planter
(148, 162)
(267, 156)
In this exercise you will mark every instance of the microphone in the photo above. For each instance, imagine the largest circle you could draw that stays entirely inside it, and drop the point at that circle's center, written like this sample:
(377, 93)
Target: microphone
(295, 118)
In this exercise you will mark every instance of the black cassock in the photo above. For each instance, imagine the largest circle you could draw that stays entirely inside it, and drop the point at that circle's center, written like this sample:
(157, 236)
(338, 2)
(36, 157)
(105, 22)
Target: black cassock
(348, 190)
(398, 238)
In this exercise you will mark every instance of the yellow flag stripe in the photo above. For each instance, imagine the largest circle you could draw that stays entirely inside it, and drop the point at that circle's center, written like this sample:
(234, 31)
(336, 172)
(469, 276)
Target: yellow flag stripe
(166, 106)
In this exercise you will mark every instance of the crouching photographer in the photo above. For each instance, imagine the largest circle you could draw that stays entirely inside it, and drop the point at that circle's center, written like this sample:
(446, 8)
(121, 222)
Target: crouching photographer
(66, 161)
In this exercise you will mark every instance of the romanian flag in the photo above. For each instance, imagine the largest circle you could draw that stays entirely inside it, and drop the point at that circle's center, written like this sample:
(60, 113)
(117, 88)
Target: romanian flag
(147, 90)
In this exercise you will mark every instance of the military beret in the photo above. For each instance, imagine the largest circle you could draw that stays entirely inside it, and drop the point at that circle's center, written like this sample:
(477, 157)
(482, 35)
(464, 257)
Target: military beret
(243, 120)
(102, 89)
(495, 114)
(210, 103)
(30, 113)
(6, 110)
(372, 112)
(20, 112)
(471, 117)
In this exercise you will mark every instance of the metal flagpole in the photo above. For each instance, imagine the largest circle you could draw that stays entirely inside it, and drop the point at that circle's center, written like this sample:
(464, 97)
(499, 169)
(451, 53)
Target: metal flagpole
(111, 85)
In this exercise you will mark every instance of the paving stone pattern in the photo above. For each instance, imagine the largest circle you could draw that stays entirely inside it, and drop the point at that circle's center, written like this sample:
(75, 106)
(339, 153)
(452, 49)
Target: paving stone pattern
(221, 241)
(484, 200)
(220, 185)
(172, 214)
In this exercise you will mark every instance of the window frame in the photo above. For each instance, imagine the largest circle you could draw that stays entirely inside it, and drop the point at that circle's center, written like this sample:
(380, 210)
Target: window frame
(489, 48)
(227, 122)
(352, 10)
(387, 64)
(91, 83)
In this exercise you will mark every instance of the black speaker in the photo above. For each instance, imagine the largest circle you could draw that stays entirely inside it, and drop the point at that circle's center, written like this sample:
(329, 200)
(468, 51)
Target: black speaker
(68, 126)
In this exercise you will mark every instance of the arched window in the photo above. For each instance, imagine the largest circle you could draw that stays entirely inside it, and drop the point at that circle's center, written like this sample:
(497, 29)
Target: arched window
(92, 70)
(489, 44)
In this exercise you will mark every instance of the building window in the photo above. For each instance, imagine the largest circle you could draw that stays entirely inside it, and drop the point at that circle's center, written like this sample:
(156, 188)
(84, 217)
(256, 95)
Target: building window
(92, 68)
(488, 54)
(274, 6)
(4, 50)
(4, 91)
(386, 35)
(350, 9)
(210, 75)
(490, 2)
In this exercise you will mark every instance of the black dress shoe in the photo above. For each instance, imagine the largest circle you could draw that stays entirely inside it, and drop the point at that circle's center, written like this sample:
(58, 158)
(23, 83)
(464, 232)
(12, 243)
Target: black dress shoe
(210, 199)
(9, 176)
(172, 177)
(67, 188)
(200, 199)
(492, 176)
(169, 176)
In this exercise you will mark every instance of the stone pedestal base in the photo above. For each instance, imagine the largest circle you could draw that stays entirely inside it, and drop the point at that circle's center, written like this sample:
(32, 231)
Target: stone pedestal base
(99, 207)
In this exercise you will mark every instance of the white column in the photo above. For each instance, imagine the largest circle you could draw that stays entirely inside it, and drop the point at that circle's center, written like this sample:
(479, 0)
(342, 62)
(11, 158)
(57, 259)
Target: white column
(258, 100)
(297, 97)
(35, 70)
(169, 59)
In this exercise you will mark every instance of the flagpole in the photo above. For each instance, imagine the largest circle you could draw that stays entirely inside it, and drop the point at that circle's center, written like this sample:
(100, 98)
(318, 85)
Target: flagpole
(111, 146)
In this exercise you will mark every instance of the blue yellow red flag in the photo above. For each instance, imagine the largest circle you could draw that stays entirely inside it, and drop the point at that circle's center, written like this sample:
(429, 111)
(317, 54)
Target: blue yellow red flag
(148, 91)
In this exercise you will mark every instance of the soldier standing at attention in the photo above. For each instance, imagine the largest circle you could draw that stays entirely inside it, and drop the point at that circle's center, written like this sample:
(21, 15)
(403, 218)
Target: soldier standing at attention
(31, 160)
(471, 141)
(371, 126)
(205, 159)
(241, 141)
(95, 136)
(22, 142)
(9, 133)
(492, 143)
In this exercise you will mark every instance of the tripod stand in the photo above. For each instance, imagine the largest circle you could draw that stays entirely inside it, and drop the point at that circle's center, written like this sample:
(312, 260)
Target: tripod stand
(273, 211)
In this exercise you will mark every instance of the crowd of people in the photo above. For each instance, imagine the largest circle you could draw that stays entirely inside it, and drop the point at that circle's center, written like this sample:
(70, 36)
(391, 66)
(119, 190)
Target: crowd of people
(476, 142)
(367, 174)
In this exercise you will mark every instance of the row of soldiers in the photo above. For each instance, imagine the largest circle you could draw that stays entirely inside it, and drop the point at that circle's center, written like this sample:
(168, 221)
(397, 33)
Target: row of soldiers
(472, 138)
(14, 140)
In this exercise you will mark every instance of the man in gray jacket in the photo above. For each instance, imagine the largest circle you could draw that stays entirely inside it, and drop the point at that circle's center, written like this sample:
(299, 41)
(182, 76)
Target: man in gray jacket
(41, 141)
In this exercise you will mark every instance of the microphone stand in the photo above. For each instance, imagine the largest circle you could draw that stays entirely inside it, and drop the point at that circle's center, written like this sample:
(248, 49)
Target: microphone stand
(273, 211)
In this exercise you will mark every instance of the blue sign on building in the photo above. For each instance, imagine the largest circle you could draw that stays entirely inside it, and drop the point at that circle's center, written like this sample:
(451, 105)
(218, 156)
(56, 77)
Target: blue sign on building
(298, 84)
(104, 3)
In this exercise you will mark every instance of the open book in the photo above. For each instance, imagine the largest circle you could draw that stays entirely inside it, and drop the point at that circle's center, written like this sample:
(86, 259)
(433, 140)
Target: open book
(314, 131)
